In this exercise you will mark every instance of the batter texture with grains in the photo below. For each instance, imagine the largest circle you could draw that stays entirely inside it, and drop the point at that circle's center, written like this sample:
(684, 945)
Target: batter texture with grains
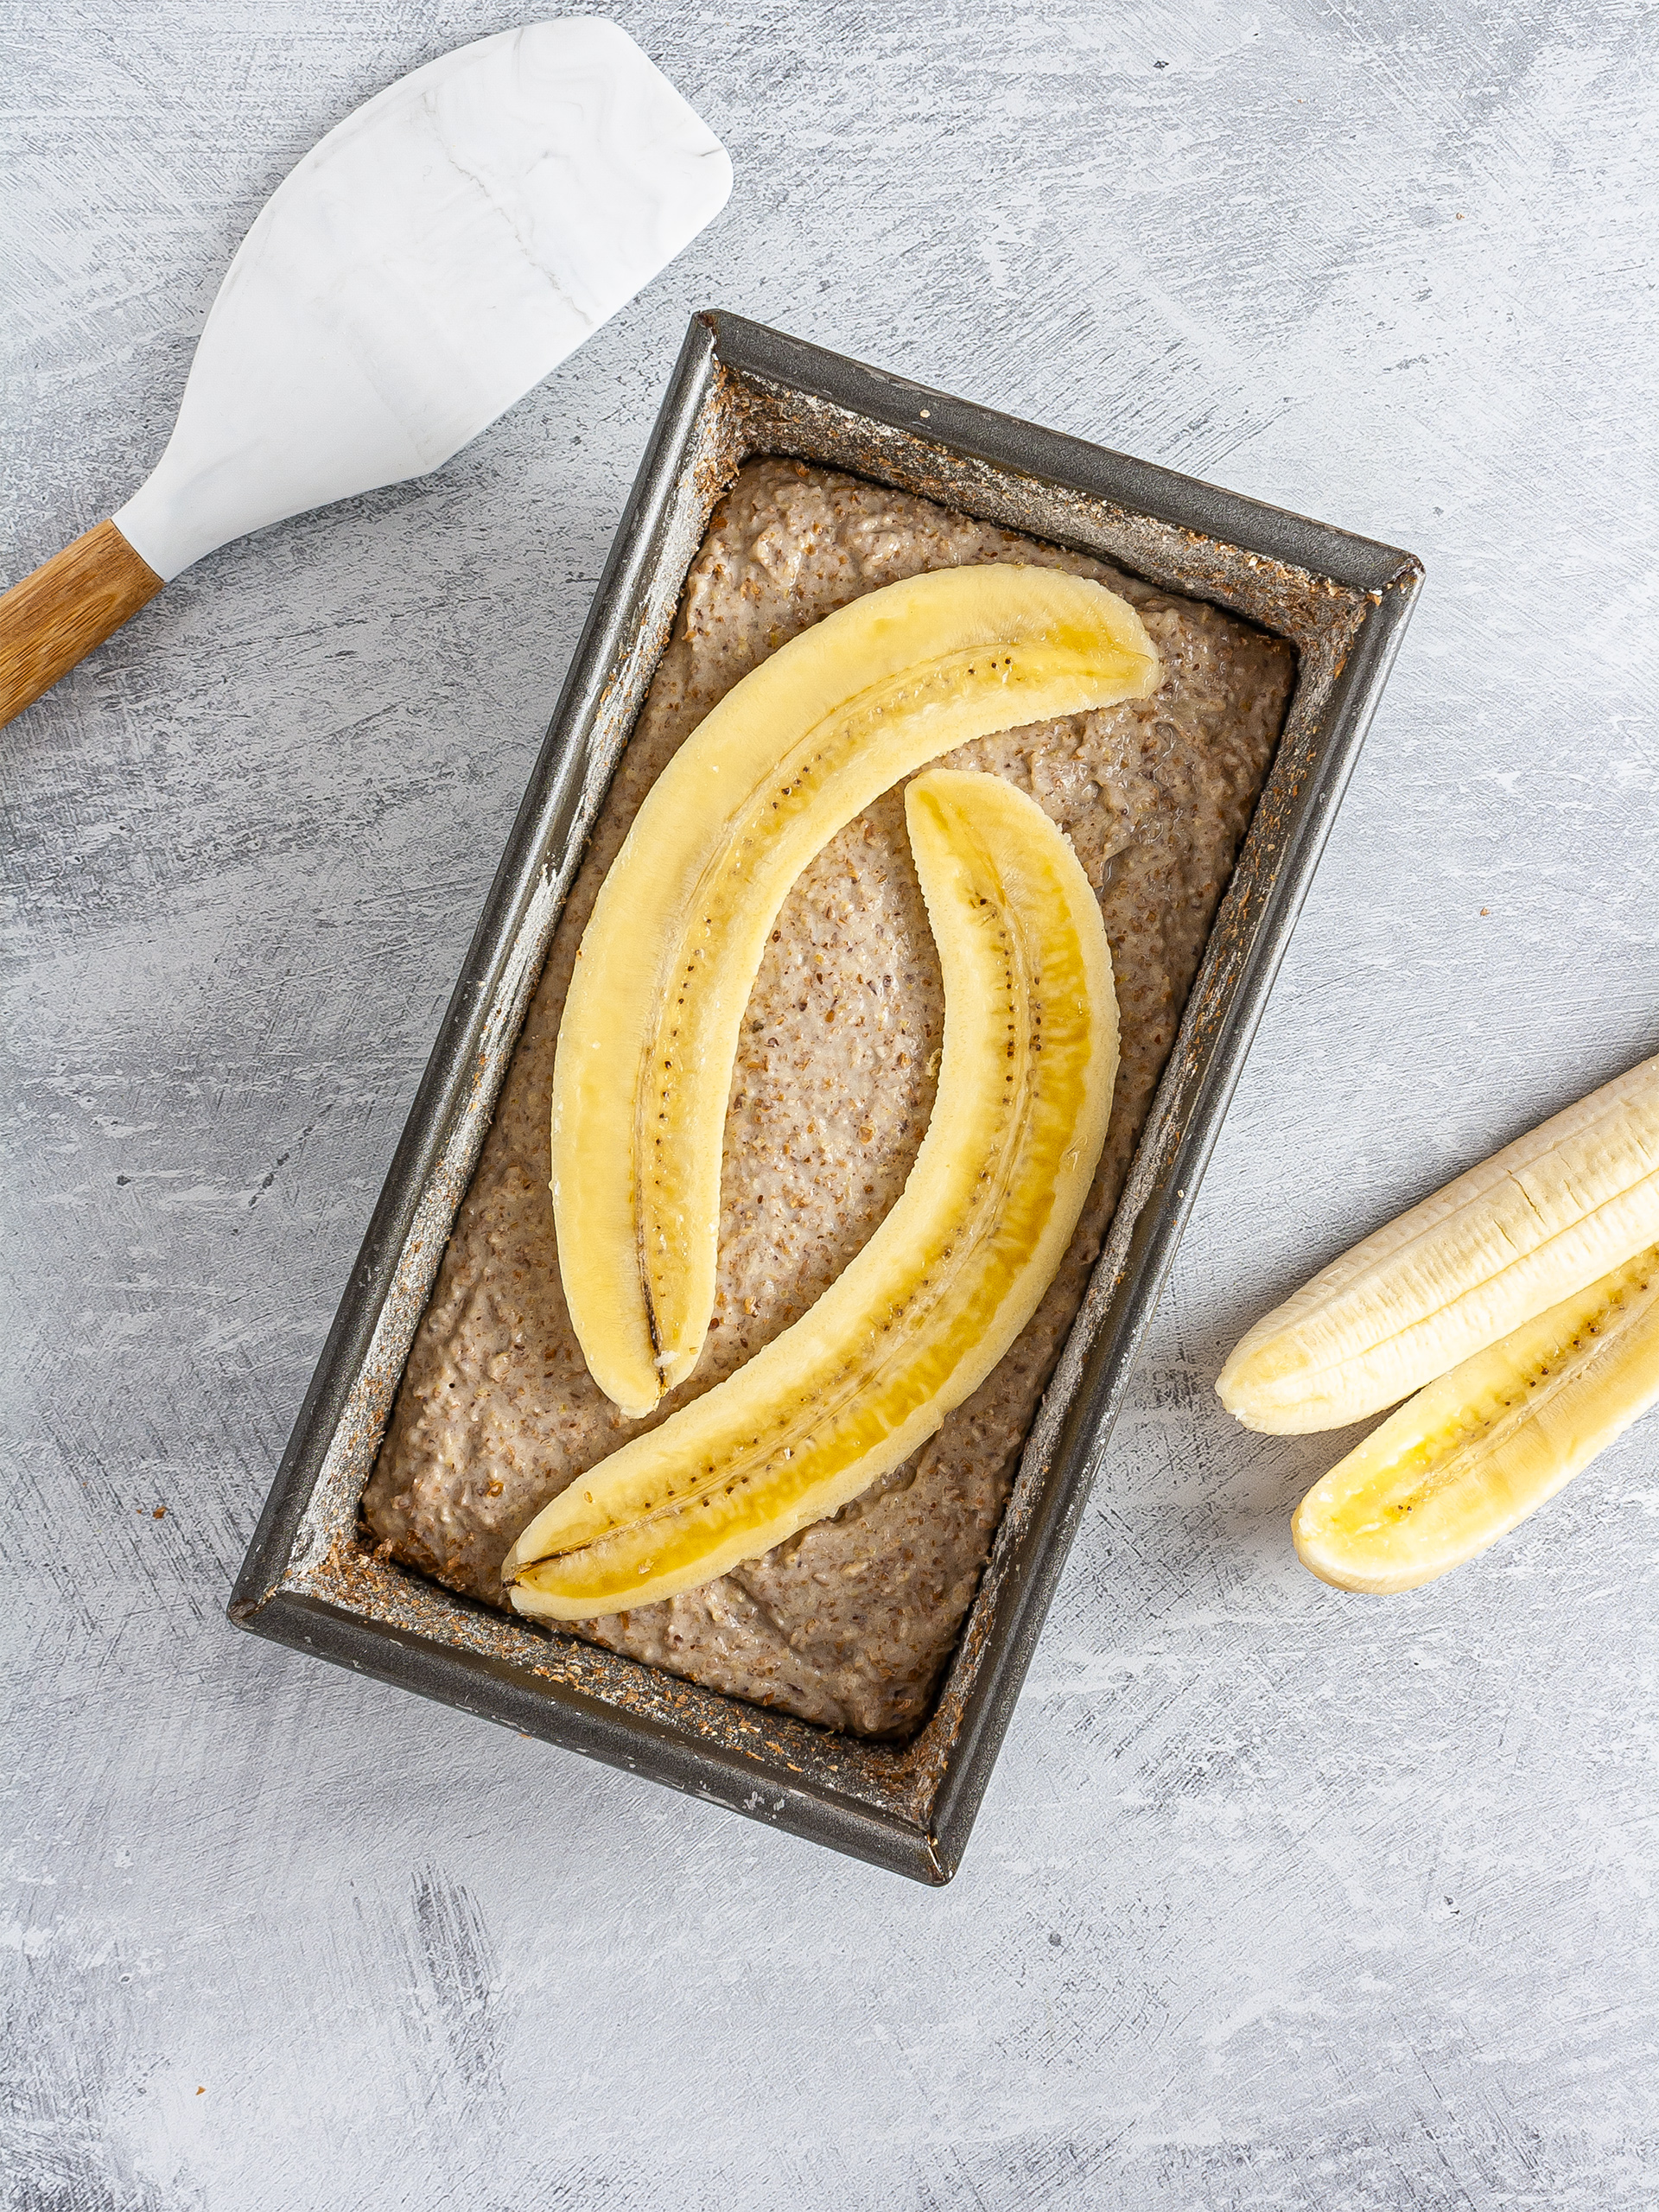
(848, 1623)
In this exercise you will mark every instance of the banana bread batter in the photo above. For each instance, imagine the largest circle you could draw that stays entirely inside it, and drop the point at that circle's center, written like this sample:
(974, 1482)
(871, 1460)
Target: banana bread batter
(850, 1623)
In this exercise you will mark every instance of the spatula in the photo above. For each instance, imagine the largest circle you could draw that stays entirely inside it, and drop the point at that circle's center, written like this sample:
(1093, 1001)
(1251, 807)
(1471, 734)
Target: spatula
(437, 254)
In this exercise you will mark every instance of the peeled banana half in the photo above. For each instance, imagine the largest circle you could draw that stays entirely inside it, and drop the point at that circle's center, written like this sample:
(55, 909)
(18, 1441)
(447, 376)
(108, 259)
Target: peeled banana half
(793, 752)
(1536, 1223)
(1473, 1454)
(947, 1281)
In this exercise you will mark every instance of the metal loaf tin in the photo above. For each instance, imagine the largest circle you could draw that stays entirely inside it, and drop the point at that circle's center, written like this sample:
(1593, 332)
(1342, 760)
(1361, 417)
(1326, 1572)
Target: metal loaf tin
(739, 391)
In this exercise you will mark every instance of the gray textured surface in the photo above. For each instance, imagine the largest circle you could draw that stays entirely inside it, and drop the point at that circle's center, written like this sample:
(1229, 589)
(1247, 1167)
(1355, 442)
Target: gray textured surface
(1280, 1898)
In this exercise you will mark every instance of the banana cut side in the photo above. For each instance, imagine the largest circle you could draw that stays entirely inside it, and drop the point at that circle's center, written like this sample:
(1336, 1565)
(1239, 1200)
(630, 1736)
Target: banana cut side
(1537, 1222)
(1477, 1451)
(649, 1035)
(944, 1285)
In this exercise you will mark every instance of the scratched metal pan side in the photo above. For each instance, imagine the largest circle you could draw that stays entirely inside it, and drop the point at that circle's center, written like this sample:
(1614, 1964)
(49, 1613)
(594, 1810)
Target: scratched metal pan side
(739, 390)
(543, 849)
(513, 1696)
(1064, 1453)
(1155, 512)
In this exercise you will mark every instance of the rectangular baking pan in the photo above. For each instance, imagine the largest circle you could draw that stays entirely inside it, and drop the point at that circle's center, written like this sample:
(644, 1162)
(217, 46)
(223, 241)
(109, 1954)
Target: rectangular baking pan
(741, 390)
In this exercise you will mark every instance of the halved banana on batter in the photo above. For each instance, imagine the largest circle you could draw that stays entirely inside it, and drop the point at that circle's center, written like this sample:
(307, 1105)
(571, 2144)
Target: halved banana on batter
(945, 1284)
(792, 754)
(1477, 1451)
(1537, 1222)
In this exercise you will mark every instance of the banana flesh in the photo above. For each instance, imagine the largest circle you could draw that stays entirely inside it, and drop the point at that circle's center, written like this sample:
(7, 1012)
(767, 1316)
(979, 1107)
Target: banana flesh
(650, 1030)
(1537, 1222)
(945, 1284)
(1479, 1450)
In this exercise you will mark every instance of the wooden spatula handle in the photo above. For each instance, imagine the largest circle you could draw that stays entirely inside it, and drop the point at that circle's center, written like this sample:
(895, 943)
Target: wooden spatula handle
(72, 603)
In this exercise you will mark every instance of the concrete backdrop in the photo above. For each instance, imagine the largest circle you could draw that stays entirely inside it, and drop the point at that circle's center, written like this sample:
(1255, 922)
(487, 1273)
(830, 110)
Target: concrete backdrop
(1280, 1898)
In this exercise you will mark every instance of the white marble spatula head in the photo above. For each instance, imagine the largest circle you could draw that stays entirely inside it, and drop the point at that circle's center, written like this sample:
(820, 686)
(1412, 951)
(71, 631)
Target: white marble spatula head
(435, 256)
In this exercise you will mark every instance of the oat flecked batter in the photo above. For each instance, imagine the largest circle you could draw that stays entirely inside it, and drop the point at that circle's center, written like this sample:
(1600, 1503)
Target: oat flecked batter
(848, 1623)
